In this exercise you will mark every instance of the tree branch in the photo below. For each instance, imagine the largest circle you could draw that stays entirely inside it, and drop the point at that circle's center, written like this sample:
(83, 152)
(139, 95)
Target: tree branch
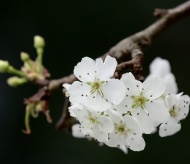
(128, 52)
(139, 41)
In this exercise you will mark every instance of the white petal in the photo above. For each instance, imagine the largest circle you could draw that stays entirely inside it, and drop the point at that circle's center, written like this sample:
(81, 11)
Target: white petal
(183, 108)
(76, 131)
(85, 70)
(66, 86)
(160, 67)
(157, 112)
(169, 128)
(66, 89)
(108, 69)
(115, 140)
(125, 105)
(97, 103)
(78, 111)
(124, 149)
(99, 67)
(105, 124)
(133, 86)
(99, 135)
(78, 92)
(114, 91)
(171, 85)
(86, 131)
(170, 101)
(136, 143)
(115, 116)
(154, 87)
(147, 124)
(132, 124)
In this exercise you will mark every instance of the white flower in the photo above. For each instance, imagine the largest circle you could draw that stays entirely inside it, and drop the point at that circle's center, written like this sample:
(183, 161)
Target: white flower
(161, 67)
(178, 108)
(127, 133)
(142, 101)
(94, 124)
(96, 90)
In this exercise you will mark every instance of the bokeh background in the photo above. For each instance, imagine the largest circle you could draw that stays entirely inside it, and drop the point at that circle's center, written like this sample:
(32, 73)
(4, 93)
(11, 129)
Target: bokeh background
(74, 29)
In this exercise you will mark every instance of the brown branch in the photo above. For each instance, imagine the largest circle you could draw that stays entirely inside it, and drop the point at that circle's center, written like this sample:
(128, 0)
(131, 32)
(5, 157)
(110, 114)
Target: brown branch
(128, 52)
(139, 41)
(134, 66)
(144, 38)
(66, 121)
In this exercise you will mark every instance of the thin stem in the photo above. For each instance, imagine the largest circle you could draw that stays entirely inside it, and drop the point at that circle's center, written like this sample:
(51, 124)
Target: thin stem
(40, 52)
(27, 120)
(16, 72)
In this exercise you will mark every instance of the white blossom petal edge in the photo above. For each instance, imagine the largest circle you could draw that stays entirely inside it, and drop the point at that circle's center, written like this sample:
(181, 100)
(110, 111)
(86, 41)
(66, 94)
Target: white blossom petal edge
(96, 85)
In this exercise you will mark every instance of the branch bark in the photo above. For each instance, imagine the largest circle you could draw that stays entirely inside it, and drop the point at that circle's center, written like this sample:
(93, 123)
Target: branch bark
(129, 51)
(139, 41)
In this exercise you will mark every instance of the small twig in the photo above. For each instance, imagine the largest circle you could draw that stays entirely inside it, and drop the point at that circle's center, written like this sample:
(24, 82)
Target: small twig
(135, 65)
(66, 121)
(160, 12)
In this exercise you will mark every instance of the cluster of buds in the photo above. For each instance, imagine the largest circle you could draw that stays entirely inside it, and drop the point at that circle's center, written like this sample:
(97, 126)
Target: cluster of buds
(31, 70)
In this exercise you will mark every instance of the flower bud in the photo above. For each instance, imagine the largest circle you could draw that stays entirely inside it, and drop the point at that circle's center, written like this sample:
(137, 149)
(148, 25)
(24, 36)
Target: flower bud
(24, 56)
(39, 42)
(16, 81)
(4, 66)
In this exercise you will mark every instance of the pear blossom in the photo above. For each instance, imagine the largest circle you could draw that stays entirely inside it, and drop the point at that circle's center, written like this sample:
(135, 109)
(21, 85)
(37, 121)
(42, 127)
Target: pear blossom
(127, 133)
(94, 124)
(161, 67)
(142, 101)
(96, 89)
(178, 107)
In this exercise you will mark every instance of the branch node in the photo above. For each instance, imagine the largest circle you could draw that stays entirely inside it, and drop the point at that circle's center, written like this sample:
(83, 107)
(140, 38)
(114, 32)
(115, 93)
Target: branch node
(160, 12)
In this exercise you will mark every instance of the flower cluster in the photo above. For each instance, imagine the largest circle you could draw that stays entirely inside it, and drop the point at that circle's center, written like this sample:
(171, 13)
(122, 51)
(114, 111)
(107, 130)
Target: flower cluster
(32, 70)
(118, 112)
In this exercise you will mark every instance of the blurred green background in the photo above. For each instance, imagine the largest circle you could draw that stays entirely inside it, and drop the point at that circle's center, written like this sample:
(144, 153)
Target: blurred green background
(74, 29)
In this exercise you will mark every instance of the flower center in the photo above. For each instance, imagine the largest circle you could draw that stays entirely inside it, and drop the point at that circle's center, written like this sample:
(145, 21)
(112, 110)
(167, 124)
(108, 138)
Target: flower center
(121, 128)
(139, 101)
(172, 112)
(96, 86)
(92, 119)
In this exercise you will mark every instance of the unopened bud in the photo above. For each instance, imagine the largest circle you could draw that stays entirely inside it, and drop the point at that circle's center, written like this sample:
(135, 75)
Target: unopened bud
(39, 42)
(16, 81)
(24, 56)
(4, 66)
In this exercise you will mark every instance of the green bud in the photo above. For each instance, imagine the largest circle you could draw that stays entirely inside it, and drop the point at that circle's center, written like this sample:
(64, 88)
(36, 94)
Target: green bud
(24, 56)
(39, 42)
(16, 81)
(4, 66)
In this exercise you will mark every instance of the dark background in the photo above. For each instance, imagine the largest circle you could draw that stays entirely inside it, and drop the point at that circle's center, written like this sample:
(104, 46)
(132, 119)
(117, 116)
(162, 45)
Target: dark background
(74, 29)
